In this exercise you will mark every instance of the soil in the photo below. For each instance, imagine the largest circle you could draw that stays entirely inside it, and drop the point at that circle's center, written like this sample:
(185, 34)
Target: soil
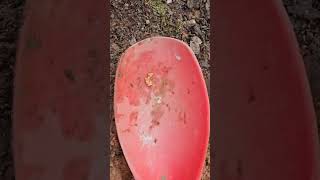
(10, 22)
(132, 21)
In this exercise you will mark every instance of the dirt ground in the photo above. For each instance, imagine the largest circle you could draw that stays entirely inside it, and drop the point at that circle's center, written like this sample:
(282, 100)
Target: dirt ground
(305, 17)
(132, 21)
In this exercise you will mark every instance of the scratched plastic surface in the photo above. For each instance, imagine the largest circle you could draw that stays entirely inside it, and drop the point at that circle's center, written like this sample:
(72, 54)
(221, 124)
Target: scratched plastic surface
(162, 110)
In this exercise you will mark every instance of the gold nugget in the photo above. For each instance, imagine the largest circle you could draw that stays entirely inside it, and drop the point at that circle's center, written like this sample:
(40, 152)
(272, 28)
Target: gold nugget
(148, 79)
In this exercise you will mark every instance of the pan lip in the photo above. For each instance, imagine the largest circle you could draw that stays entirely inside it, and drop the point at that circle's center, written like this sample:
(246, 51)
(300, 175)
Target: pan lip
(204, 91)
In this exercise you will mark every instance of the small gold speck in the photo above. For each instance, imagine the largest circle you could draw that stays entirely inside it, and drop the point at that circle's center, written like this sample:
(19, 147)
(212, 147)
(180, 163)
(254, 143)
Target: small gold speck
(148, 79)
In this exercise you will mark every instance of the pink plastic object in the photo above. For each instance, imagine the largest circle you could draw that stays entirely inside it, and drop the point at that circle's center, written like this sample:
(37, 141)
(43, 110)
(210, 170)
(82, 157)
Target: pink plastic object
(162, 110)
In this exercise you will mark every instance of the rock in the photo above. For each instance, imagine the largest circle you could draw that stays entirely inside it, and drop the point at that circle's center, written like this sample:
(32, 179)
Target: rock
(195, 44)
(190, 4)
(205, 64)
(169, 1)
(208, 6)
(193, 4)
(197, 30)
(133, 41)
(126, 6)
(147, 22)
(190, 23)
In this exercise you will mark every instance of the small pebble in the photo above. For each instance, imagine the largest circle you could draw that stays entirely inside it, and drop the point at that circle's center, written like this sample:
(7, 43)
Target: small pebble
(190, 4)
(195, 44)
(126, 6)
(208, 6)
(193, 4)
(133, 41)
(191, 22)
